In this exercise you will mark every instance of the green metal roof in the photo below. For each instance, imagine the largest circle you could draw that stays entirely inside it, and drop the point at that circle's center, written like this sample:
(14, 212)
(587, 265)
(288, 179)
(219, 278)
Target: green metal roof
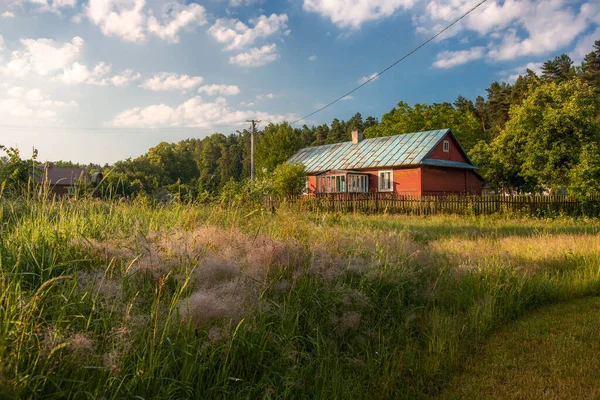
(388, 151)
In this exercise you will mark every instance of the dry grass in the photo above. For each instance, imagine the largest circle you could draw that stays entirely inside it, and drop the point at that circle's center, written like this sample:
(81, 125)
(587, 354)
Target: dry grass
(524, 254)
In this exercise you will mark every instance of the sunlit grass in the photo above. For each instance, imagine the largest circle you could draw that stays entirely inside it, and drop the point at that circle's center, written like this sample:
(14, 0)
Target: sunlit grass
(549, 354)
(111, 300)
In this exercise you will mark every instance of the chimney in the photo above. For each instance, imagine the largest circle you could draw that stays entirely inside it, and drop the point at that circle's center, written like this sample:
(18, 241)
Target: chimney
(357, 136)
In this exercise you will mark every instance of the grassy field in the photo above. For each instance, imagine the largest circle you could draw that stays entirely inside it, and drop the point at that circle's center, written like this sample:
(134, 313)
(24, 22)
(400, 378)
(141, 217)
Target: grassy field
(116, 300)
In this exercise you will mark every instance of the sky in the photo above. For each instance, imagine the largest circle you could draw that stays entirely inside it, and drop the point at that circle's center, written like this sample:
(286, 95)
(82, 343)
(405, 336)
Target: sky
(103, 80)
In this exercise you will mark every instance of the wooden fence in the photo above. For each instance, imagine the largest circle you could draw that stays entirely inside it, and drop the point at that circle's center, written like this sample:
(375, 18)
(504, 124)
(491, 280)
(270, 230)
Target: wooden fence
(535, 205)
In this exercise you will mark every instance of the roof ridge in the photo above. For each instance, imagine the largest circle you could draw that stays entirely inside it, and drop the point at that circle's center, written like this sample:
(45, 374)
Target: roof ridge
(377, 137)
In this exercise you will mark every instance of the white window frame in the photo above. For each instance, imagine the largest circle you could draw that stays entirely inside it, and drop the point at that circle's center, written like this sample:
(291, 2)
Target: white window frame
(446, 146)
(390, 182)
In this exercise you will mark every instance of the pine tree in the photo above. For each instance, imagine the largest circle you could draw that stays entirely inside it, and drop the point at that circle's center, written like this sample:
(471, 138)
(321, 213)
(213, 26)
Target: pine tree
(558, 69)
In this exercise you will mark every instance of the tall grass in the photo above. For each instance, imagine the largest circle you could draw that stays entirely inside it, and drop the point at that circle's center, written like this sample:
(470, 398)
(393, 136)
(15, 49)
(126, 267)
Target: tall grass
(112, 300)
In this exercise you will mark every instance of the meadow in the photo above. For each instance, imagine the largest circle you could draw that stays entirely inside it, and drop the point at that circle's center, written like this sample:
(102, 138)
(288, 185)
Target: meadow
(116, 300)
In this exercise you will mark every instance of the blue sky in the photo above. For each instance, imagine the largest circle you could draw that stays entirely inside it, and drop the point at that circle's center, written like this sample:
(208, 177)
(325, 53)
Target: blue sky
(103, 80)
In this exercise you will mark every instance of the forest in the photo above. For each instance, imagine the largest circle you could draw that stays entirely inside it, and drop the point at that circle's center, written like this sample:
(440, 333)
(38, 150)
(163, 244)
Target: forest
(537, 134)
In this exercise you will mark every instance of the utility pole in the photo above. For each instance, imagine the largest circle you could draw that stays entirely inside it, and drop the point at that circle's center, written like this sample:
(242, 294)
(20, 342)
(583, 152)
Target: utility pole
(252, 131)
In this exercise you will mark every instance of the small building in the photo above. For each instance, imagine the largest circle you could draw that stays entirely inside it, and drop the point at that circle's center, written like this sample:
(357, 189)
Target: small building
(62, 181)
(428, 163)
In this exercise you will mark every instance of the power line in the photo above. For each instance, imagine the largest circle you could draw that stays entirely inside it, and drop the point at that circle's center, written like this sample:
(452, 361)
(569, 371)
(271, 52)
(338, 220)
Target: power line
(372, 78)
(396, 29)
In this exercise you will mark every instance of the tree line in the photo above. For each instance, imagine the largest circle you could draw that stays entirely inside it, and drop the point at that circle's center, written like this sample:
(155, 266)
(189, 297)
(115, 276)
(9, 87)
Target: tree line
(540, 133)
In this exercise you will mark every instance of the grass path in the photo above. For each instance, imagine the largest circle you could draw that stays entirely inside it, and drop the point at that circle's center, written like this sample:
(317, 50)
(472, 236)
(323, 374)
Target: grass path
(552, 353)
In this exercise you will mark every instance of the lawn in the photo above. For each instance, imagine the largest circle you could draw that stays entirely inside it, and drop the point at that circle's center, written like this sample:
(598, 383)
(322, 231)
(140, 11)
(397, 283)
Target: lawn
(549, 354)
(112, 300)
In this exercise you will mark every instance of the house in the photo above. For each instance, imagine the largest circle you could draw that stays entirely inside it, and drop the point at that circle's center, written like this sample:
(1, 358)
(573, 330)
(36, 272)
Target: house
(412, 164)
(62, 181)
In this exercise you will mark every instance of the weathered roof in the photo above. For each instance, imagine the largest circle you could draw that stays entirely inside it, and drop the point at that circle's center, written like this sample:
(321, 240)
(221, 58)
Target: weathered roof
(63, 176)
(388, 151)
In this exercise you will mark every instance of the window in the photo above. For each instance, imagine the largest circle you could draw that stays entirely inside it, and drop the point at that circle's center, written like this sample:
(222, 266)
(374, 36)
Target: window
(386, 181)
(446, 146)
(358, 183)
(331, 184)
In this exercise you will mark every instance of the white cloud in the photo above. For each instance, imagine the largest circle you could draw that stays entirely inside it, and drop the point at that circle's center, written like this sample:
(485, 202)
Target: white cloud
(365, 79)
(8, 14)
(80, 74)
(43, 56)
(584, 46)
(121, 18)
(124, 78)
(240, 3)
(129, 20)
(223, 90)
(312, 58)
(194, 112)
(18, 103)
(63, 3)
(516, 28)
(247, 104)
(348, 98)
(268, 96)
(236, 35)
(256, 57)
(354, 13)
(171, 81)
(449, 59)
(176, 18)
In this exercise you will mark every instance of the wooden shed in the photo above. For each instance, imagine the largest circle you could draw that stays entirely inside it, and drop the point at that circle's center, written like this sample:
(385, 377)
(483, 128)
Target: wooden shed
(412, 164)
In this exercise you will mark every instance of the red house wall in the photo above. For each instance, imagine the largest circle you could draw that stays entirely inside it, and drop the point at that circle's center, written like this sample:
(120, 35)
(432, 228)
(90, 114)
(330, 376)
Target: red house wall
(312, 184)
(407, 182)
(474, 183)
(455, 154)
(437, 181)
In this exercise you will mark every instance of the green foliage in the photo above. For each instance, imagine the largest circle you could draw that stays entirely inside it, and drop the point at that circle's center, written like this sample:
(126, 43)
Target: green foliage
(543, 140)
(584, 178)
(559, 69)
(274, 146)
(287, 180)
(16, 173)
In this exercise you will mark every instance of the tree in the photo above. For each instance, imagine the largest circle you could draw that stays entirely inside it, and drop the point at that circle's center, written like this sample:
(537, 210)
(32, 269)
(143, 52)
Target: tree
(585, 176)
(498, 105)
(464, 105)
(590, 67)
(15, 173)
(544, 139)
(287, 180)
(274, 146)
(338, 132)
(321, 133)
(558, 69)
